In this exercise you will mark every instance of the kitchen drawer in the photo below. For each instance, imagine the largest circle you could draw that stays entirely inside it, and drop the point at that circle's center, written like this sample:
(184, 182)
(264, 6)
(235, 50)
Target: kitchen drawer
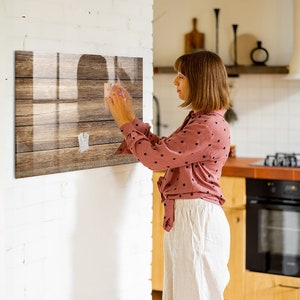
(271, 287)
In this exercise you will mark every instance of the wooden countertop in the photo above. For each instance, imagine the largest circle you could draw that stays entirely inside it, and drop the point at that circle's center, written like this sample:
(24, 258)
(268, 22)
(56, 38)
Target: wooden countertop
(241, 167)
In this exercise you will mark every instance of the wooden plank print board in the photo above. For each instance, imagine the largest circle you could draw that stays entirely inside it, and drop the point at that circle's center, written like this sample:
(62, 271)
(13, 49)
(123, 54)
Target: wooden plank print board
(62, 121)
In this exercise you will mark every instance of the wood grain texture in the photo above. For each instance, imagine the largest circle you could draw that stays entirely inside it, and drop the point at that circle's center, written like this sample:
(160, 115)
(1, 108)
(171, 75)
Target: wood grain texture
(68, 159)
(271, 287)
(242, 167)
(157, 236)
(57, 97)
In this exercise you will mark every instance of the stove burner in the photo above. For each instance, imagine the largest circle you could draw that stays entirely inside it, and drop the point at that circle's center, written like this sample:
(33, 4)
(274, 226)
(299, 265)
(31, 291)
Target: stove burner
(290, 160)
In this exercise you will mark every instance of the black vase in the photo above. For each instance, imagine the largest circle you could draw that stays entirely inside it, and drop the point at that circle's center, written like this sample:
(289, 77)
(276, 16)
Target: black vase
(259, 55)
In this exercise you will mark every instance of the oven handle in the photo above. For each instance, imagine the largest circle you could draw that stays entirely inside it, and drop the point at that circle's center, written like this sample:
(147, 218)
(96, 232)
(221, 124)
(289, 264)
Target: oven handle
(275, 205)
(289, 286)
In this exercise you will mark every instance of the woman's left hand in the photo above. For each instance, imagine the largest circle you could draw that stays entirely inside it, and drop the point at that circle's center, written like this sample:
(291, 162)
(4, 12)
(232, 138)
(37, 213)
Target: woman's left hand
(120, 105)
(168, 214)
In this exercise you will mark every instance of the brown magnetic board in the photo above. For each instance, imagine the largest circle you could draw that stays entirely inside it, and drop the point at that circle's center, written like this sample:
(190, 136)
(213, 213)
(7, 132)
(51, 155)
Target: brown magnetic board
(62, 122)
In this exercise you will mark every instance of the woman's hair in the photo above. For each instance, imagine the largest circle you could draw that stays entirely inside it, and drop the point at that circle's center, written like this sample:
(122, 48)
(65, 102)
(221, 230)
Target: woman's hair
(208, 81)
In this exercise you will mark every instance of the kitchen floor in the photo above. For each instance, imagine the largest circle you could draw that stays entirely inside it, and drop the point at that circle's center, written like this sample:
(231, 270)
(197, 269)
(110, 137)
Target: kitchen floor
(156, 295)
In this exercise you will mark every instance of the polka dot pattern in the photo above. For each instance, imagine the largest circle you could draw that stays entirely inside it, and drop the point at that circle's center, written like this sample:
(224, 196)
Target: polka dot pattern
(193, 156)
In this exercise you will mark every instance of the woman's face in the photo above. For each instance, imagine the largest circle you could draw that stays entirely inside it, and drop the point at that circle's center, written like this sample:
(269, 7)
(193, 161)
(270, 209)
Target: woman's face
(182, 85)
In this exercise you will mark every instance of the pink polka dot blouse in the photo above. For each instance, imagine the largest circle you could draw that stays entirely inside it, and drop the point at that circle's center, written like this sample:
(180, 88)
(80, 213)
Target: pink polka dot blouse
(193, 155)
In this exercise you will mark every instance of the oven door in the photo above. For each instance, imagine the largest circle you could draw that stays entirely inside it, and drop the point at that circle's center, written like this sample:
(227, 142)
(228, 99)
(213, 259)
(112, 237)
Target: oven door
(273, 237)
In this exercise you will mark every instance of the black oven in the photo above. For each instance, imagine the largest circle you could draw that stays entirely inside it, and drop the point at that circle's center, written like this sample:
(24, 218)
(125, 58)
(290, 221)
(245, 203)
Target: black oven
(273, 226)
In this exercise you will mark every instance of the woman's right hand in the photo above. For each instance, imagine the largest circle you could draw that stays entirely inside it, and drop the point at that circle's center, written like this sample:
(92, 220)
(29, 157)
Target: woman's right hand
(120, 105)
(122, 91)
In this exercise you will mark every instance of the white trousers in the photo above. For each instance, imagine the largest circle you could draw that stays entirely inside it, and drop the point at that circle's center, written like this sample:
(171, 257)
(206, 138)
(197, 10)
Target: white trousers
(196, 252)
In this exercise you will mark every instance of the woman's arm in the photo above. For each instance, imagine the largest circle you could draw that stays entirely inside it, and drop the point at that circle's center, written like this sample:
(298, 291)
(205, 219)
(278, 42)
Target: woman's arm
(120, 105)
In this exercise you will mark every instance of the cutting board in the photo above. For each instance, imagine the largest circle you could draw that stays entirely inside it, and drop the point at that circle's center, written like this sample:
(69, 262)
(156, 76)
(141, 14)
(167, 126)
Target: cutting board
(194, 40)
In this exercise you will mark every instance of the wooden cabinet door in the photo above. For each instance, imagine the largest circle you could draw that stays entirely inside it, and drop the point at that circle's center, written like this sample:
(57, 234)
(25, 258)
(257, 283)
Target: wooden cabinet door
(261, 286)
(236, 265)
(157, 237)
(234, 191)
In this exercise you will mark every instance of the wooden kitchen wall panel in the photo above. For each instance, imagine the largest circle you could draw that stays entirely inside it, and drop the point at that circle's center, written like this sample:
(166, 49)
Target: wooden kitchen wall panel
(57, 161)
(60, 96)
(67, 89)
(77, 66)
(49, 137)
(39, 113)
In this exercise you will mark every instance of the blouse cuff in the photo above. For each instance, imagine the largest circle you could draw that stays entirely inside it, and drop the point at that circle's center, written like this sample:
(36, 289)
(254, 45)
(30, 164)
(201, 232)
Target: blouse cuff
(126, 129)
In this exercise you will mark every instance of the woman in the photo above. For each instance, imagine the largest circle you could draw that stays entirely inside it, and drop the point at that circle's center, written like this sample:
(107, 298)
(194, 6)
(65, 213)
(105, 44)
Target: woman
(197, 237)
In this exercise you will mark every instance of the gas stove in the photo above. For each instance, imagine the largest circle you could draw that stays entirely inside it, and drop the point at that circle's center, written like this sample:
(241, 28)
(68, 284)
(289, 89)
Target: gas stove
(279, 159)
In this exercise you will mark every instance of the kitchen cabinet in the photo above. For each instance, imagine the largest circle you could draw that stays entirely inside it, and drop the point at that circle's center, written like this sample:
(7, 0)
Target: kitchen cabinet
(234, 191)
(271, 287)
(157, 237)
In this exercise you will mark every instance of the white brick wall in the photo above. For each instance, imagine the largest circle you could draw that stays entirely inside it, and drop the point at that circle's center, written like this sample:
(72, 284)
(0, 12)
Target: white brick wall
(85, 234)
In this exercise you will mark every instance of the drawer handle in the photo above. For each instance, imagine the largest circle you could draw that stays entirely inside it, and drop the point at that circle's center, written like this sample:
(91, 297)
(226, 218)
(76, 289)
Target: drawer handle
(289, 286)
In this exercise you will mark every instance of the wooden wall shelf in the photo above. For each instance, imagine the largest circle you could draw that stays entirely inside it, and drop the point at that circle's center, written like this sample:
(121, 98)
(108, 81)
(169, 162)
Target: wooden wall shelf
(236, 70)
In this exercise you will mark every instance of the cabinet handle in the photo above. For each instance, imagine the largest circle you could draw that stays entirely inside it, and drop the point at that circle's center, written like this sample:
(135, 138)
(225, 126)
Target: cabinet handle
(289, 286)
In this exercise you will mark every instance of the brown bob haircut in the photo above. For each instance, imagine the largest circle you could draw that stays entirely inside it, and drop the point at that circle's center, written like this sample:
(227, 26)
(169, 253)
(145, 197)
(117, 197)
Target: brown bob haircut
(208, 81)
